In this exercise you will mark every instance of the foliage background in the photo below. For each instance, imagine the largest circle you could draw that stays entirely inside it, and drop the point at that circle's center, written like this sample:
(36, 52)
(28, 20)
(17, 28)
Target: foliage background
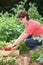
(10, 27)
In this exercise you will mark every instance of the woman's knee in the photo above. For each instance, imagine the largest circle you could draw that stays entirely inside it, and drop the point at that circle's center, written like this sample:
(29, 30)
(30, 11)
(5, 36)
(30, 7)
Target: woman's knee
(29, 43)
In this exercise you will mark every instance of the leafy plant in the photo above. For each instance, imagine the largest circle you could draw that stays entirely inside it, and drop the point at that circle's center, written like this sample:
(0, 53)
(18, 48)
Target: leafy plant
(1, 59)
(10, 60)
(7, 60)
(23, 47)
(9, 28)
(35, 55)
(34, 14)
(40, 58)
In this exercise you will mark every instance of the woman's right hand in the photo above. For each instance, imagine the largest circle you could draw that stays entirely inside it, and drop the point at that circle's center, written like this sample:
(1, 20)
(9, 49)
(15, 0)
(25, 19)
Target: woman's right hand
(8, 47)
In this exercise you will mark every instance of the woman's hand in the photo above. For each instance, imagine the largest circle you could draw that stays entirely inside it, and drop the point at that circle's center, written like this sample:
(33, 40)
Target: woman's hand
(8, 47)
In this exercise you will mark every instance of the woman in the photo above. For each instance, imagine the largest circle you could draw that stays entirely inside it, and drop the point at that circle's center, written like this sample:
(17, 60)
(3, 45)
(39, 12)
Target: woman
(32, 27)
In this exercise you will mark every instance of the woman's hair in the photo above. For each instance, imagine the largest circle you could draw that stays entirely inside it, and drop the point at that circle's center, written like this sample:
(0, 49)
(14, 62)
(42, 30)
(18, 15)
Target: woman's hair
(22, 14)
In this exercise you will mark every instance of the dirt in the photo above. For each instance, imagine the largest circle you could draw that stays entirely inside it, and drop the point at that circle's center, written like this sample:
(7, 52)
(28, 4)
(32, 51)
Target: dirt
(25, 59)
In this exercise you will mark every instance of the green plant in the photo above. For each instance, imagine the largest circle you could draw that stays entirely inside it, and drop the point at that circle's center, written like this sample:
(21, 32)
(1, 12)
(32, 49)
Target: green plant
(40, 58)
(9, 28)
(35, 55)
(2, 43)
(10, 60)
(1, 59)
(7, 60)
(23, 47)
(33, 12)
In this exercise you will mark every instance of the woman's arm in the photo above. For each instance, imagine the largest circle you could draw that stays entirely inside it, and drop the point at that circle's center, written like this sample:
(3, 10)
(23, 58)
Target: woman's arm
(22, 37)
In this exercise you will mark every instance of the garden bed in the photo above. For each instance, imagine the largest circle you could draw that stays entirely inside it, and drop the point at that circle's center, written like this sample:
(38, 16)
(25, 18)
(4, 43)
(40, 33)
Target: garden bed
(29, 58)
(20, 57)
(25, 60)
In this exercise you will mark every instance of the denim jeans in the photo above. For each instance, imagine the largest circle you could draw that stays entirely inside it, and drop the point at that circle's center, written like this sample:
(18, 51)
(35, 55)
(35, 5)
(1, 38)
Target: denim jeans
(30, 42)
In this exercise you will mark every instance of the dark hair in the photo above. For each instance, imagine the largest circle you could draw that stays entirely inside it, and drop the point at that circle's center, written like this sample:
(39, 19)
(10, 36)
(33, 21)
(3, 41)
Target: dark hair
(22, 14)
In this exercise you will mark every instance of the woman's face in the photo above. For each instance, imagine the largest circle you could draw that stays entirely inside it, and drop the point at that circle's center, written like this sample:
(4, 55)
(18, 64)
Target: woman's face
(22, 20)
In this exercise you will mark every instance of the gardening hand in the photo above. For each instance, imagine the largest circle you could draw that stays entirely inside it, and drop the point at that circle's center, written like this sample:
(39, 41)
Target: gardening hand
(8, 47)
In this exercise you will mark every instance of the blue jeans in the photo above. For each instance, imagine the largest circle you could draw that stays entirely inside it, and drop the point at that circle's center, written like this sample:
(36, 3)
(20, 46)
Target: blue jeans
(30, 42)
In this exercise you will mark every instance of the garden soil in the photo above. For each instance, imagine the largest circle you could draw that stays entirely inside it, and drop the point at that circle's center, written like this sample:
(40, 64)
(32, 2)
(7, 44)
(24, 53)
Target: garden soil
(25, 59)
